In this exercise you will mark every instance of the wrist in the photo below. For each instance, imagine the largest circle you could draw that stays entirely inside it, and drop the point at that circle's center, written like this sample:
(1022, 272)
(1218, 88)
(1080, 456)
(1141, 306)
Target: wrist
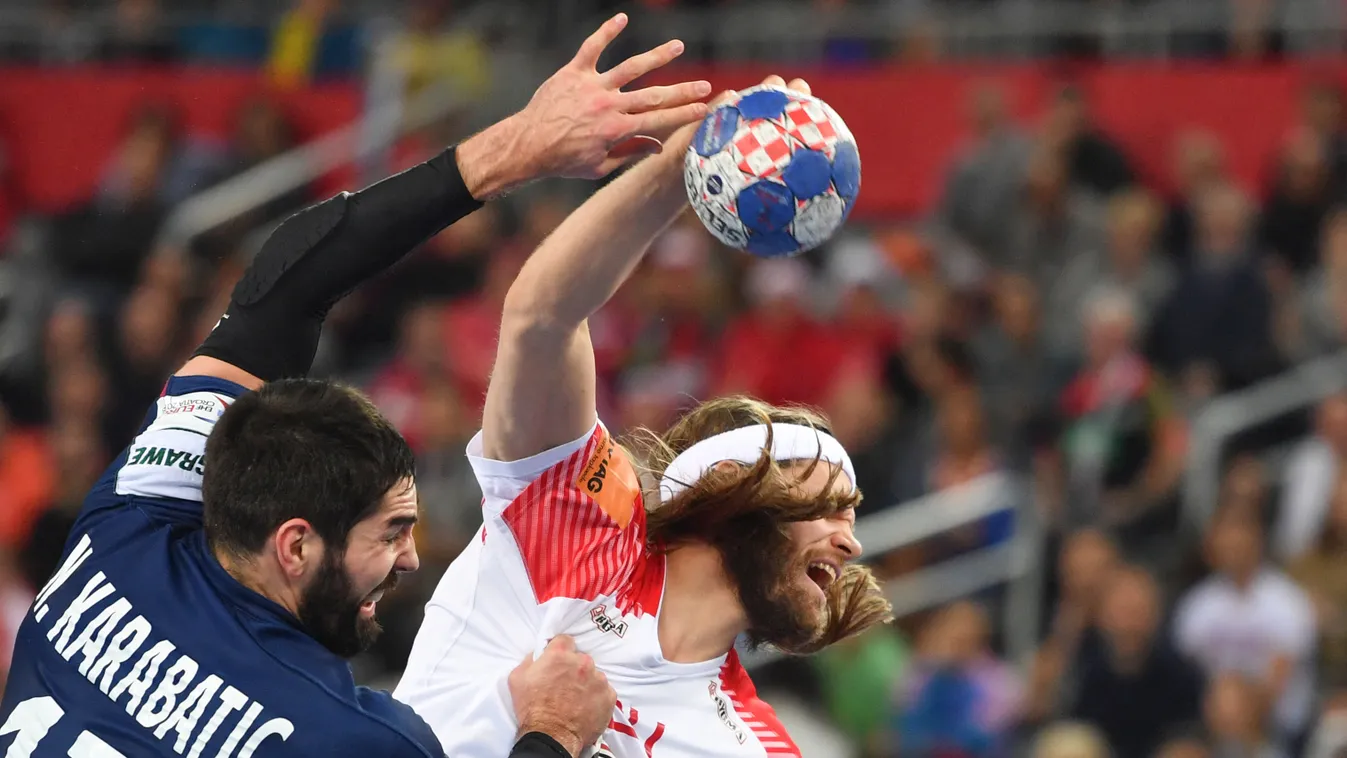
(545, 743)
(489, 160)
(558, 733)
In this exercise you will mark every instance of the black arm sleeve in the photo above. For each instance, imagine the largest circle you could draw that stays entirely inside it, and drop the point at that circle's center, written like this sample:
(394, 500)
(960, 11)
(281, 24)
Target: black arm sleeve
(538, 745)
(317, 256)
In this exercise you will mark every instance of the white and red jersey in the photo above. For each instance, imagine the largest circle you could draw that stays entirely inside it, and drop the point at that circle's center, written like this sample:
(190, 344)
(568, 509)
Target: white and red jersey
(563, 551)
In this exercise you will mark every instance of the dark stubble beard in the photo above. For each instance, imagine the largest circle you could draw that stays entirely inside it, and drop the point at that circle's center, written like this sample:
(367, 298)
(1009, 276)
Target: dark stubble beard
(330, 609)
(781, 612)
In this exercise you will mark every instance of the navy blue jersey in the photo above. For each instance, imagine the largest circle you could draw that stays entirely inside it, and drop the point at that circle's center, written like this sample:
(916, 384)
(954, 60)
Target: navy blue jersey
(142, 645)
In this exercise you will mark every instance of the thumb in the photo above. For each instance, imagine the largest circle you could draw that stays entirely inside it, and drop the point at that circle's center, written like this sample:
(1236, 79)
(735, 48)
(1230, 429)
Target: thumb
(638, 146)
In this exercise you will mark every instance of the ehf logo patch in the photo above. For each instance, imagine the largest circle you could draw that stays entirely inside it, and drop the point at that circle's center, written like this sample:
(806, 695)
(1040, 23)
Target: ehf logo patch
(604, 623)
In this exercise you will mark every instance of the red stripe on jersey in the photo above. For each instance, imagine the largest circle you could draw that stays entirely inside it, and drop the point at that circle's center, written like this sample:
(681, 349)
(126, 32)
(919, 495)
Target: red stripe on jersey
(571, 546)
(644, 592)
(757, 715)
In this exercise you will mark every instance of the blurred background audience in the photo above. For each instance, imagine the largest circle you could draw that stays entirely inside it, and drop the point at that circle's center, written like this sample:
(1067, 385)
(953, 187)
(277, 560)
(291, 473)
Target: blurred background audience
(1085, 334)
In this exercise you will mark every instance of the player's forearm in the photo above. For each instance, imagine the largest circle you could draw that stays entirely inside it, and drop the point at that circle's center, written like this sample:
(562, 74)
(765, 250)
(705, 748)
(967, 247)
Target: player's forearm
(582, 264)
(320, 254)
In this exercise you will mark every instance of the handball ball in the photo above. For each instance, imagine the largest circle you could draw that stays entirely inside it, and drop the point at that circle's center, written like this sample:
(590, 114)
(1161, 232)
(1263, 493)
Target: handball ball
(772, 171)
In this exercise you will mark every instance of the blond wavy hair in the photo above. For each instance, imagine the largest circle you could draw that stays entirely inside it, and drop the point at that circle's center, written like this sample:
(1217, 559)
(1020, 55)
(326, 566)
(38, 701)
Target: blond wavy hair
(745, 512)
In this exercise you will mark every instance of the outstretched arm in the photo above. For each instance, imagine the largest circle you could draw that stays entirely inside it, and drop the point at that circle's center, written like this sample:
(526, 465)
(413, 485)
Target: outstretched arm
(577, 124)
(542, 390)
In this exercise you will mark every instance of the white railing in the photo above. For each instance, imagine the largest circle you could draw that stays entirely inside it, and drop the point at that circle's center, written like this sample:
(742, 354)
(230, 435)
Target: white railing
(1236, 412)
(378, 129)
(1017, 562)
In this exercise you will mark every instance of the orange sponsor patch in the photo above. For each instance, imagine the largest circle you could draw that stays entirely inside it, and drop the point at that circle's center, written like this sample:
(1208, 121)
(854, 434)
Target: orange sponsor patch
(610, 481)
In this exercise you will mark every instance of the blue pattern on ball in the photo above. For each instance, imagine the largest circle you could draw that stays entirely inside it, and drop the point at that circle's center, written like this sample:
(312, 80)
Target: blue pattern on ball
(772, 244)
(716, 130)
(765, 103)
(847, 171)
(766, 207)
(781, 209)
(808, 173)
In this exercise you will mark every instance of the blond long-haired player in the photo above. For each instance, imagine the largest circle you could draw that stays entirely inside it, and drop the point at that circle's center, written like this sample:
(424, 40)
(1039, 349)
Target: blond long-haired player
(745, 527)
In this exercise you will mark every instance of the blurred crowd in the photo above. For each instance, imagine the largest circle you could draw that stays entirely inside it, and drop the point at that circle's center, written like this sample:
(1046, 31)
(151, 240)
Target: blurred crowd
(1054, 320)
(324, 39)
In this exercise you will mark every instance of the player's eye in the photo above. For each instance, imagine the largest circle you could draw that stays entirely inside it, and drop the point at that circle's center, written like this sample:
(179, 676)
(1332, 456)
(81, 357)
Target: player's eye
(398, 536)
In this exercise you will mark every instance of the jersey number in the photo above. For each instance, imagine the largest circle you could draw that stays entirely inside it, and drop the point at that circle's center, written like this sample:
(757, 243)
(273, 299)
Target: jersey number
(34, 717)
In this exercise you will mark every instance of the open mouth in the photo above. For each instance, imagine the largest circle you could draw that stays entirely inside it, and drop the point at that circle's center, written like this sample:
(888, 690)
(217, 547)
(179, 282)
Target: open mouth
(823, 573)
(367, 607)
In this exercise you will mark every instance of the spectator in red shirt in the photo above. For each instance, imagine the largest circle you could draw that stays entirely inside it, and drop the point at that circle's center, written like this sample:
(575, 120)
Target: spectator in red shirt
(471, 326)
(399, 388)
(777, 351)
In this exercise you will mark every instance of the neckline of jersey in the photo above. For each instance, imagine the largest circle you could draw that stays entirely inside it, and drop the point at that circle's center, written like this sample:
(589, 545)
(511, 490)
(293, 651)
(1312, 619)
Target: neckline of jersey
(657, 661)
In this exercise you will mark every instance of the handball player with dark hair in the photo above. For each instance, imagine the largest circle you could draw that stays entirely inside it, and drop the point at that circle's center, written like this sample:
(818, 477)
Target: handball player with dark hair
(743, 526)
(231, 559)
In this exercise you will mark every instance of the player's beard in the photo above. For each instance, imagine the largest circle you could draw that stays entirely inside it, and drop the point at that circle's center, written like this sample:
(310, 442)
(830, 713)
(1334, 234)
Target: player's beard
(330, 609)
(781, 611)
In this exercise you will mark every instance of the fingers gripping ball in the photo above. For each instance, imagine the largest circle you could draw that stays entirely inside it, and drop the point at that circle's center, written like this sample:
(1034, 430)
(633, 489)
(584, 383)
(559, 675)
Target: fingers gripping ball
(772, 171)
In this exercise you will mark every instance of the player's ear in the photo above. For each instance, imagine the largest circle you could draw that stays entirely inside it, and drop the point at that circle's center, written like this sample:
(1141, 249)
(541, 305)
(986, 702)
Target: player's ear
(298, 547)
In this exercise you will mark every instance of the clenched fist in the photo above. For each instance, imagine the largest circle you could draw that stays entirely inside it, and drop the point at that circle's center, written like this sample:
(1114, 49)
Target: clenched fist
(562, 695)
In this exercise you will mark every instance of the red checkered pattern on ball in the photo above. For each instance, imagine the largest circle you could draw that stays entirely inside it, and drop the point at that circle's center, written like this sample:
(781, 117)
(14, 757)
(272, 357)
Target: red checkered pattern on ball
(762, 149)
(810, 125)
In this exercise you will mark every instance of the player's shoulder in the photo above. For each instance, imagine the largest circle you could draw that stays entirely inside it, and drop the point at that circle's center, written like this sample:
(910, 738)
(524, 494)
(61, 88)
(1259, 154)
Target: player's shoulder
(167, 456)
(161, 469)
(592, 469)
(574, 513)
(536, 465)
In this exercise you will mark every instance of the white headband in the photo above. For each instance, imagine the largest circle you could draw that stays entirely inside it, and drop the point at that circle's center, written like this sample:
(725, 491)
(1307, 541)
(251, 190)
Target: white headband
(790, 442)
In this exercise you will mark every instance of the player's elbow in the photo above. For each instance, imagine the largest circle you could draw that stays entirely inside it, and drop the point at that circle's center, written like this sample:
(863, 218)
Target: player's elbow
(532, 311)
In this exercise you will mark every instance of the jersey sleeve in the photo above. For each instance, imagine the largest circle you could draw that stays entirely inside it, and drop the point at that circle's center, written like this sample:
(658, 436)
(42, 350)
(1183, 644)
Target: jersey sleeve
(573, 513)
(160, 471)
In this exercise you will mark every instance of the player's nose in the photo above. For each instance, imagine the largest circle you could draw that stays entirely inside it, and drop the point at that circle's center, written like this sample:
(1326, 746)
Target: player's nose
(844, 540)
(408, 560)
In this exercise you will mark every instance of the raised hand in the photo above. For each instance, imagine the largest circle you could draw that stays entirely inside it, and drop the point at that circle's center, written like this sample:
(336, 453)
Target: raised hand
(580, 123)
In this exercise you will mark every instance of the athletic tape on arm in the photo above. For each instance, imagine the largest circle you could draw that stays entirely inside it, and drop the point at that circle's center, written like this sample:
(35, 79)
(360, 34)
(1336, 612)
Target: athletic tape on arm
(790, 442)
